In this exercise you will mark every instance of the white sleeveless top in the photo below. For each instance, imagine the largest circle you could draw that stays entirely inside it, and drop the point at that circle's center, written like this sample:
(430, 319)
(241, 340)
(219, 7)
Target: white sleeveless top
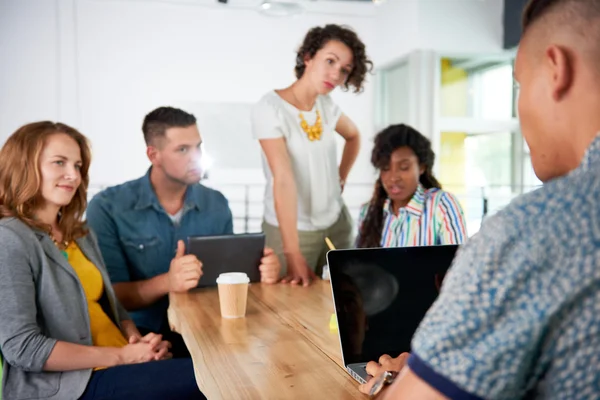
(314, 164)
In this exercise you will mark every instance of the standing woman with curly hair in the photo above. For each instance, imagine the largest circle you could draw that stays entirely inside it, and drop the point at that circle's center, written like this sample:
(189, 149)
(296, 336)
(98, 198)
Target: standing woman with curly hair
(408, 207)
(296, 128)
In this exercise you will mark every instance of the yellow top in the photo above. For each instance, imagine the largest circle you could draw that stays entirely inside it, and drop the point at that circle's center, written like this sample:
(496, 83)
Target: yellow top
(104, 331)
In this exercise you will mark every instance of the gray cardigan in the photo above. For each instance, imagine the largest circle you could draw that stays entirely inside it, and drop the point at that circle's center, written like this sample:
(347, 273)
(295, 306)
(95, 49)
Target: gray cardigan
(41, 302)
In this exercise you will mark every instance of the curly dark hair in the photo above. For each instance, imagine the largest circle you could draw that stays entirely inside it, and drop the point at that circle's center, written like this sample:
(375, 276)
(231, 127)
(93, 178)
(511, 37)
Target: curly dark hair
(318, 37)
(386, 142)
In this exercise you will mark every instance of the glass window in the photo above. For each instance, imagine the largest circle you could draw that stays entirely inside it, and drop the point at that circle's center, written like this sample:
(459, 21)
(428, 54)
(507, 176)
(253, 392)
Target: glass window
(477, 168)
(476, 88)
(495, 93)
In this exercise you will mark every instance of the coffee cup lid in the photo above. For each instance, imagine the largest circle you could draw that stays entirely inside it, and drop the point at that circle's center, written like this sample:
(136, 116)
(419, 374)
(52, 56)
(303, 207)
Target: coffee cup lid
(233, 278)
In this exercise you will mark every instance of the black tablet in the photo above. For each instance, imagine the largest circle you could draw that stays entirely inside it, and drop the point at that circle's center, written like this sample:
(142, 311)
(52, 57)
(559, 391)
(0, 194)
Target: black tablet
(230, 253)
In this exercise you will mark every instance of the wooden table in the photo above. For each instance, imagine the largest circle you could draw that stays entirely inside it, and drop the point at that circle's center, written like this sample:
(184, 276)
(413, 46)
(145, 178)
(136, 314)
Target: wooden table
(283, 349)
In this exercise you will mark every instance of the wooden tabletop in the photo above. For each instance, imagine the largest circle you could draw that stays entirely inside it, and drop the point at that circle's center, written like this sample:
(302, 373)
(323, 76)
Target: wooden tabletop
(282, 349)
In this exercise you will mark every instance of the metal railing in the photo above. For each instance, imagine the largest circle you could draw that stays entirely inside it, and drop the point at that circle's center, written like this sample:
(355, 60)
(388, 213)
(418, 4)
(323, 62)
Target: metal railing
(246, 201)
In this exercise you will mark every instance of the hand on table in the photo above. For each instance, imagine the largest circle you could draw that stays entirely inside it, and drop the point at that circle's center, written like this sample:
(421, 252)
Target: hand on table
(299, 273)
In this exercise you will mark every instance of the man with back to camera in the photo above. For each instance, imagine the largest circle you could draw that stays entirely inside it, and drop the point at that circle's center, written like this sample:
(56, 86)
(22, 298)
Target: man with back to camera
(519, 311)
(142, 224)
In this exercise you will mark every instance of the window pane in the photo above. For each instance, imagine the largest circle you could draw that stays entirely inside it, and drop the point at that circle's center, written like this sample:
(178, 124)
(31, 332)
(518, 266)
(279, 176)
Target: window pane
(455, 93)
(477, 89)
(478, 169)
(496, 93)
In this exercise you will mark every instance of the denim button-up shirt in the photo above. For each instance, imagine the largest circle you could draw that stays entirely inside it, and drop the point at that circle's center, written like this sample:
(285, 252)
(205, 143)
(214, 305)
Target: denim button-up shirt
(138, 239)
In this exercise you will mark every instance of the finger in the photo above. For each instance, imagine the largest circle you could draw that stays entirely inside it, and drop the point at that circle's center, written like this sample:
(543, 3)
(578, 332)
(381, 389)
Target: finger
(160, 353)
(133, 339)
(268, 251)
(401, 360)
(366, 387)
(296, 280)
(190, 284)
(373, 368)
(386, 358)
(268, 268)
(286, 279)
(191, 278)
(155, 341)
(180, 249)
(190, 274)
(189, 259)
(149, 337)
(269, 277)
(163, 345)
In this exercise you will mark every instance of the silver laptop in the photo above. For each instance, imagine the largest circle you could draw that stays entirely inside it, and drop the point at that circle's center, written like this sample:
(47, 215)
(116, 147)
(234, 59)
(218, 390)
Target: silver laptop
(380, 296)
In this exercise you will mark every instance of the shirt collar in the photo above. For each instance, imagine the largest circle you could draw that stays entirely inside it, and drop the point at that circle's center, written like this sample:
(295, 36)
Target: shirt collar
(414, 206)
(147, 197)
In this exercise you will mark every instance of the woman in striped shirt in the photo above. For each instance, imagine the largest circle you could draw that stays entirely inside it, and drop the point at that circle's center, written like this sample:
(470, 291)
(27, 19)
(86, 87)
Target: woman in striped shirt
(408, 207)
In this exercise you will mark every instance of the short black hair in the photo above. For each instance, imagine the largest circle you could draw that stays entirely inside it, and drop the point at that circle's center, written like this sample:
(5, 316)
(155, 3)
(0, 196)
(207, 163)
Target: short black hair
(318, 37)
(536, 9)
(158, 121)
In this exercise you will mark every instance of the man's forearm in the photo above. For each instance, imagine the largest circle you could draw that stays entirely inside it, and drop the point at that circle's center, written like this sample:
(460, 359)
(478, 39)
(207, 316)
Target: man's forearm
(140, 294)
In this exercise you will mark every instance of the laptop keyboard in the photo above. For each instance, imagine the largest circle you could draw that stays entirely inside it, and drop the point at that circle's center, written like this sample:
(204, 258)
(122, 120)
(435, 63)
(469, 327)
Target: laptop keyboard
(357, 376)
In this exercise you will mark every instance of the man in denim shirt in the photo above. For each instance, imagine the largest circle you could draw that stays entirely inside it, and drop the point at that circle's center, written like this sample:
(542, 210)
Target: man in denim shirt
(141, 224)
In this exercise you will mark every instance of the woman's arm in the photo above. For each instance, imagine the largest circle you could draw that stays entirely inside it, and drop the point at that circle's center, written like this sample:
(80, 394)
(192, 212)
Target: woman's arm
(348, 130)
(70, 356)
(130, 330)
(286, 207)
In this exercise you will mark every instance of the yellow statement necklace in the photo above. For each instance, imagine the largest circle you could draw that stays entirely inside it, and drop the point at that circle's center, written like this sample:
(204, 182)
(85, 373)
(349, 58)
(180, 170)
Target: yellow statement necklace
(313, 132)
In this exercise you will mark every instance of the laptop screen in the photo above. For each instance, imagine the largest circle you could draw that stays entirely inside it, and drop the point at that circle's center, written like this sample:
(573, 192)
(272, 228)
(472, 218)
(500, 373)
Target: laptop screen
(381, 295)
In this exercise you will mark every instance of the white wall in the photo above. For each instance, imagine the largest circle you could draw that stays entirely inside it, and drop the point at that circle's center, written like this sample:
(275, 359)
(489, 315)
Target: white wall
(470, 27)
(464, 26)
(125, 58)
(155, 54)
(101, 65)
(29, 75)
(397, 30)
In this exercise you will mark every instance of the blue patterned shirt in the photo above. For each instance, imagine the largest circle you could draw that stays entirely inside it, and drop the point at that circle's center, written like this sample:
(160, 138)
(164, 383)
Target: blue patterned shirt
(518, 315)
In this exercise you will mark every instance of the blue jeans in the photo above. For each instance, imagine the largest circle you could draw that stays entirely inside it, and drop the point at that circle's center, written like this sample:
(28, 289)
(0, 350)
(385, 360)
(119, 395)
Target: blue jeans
(167, 379)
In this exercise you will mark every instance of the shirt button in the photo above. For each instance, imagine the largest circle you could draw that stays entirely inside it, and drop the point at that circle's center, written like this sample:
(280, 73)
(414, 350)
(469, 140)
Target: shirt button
(141, 247)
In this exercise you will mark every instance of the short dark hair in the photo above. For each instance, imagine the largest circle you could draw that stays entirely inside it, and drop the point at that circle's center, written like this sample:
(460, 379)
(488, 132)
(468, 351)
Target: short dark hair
(158, 121)
(536, 9)
(318, 37)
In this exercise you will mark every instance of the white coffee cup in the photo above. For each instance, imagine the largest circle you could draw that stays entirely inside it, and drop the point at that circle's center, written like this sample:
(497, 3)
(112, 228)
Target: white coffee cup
(233, 294)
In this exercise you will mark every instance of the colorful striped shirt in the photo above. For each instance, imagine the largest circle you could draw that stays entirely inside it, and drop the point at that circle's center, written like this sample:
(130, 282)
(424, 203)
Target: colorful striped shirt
(431, 217)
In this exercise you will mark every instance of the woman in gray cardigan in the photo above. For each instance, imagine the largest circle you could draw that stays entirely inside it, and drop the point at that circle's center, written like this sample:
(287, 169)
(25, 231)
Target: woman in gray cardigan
(63, 333)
